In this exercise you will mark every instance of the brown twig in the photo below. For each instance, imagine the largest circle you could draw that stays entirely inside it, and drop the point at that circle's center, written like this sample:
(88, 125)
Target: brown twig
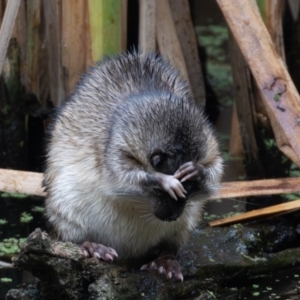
(259, 187)
(30, 183)
(271, 210)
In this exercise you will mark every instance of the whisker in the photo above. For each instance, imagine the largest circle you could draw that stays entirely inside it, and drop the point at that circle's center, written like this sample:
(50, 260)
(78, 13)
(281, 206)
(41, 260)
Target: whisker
(149, 219)
(146, 215)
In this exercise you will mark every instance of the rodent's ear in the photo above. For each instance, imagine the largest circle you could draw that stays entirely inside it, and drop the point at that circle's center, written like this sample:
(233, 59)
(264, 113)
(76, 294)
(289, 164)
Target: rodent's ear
(156, 159)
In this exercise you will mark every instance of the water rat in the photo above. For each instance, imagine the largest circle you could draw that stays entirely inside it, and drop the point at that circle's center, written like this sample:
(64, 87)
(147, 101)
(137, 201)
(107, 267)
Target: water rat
(131, 160)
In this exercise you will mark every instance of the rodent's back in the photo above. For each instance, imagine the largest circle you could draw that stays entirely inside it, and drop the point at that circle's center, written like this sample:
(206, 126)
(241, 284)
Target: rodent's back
(104, 87)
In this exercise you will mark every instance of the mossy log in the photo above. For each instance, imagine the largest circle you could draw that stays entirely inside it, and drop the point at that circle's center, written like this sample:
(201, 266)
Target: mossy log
(211, 258)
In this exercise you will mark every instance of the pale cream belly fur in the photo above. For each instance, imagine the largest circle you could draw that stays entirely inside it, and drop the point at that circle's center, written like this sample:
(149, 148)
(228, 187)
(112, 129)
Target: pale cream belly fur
(123, 223)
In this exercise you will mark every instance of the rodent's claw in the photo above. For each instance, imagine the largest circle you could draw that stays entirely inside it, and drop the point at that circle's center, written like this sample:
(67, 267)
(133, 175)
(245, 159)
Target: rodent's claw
(98, 250)
(189, 176)
(85, 253)
(175, 188)
(171, 185)
(189, 171)
(171, 193)
(167, 265)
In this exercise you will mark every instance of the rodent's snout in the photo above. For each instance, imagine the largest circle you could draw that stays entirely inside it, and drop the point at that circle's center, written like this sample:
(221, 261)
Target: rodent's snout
(168, 209)
(172, 218)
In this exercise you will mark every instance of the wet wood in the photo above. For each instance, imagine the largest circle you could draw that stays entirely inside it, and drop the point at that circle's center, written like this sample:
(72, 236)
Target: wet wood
(13, 142)
(280, 96)
(51, 12)
(187, 38)
(168, 42)
(33, 46)
(250, 107)
(2, 9)
(235, 143)
(30, 183)
(147, 25)
(7, 26)
(4, 264)
(258, 213)
(294, 7)
(259, 187)
(20, 34)
(73, 42)
(60, 39)
(274, 16)
(243, 100)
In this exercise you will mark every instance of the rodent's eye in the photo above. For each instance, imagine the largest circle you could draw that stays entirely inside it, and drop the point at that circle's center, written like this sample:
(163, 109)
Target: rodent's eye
(132, 159)
(156, 159)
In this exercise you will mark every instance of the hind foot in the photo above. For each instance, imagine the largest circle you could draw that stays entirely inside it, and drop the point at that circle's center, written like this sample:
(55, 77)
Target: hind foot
(167, 265)
(98, 250)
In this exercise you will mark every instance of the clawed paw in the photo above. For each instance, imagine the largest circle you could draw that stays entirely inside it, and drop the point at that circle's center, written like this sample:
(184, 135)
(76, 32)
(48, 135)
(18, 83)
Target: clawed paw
(98, 250)
(171, 185)
(167, 265)
(189, 171)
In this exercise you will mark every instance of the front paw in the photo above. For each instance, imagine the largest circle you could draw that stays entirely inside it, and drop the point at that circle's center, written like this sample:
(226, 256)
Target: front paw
(189, 171)
(171, 185)
(167, 265)
(98, 250)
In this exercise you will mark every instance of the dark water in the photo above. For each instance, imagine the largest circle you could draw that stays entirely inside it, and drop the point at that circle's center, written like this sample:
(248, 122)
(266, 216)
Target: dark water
(22, 215)
(274, 285)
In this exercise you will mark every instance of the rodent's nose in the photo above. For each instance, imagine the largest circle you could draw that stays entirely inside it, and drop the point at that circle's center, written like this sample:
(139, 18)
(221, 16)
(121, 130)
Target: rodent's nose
(168, 209)
(172, 218)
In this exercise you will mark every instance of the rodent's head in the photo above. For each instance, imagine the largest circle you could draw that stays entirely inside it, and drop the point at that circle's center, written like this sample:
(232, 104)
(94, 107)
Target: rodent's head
(158, 133)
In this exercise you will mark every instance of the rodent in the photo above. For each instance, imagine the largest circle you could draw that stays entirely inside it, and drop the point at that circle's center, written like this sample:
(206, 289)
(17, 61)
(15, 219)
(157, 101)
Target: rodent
(130, 162)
